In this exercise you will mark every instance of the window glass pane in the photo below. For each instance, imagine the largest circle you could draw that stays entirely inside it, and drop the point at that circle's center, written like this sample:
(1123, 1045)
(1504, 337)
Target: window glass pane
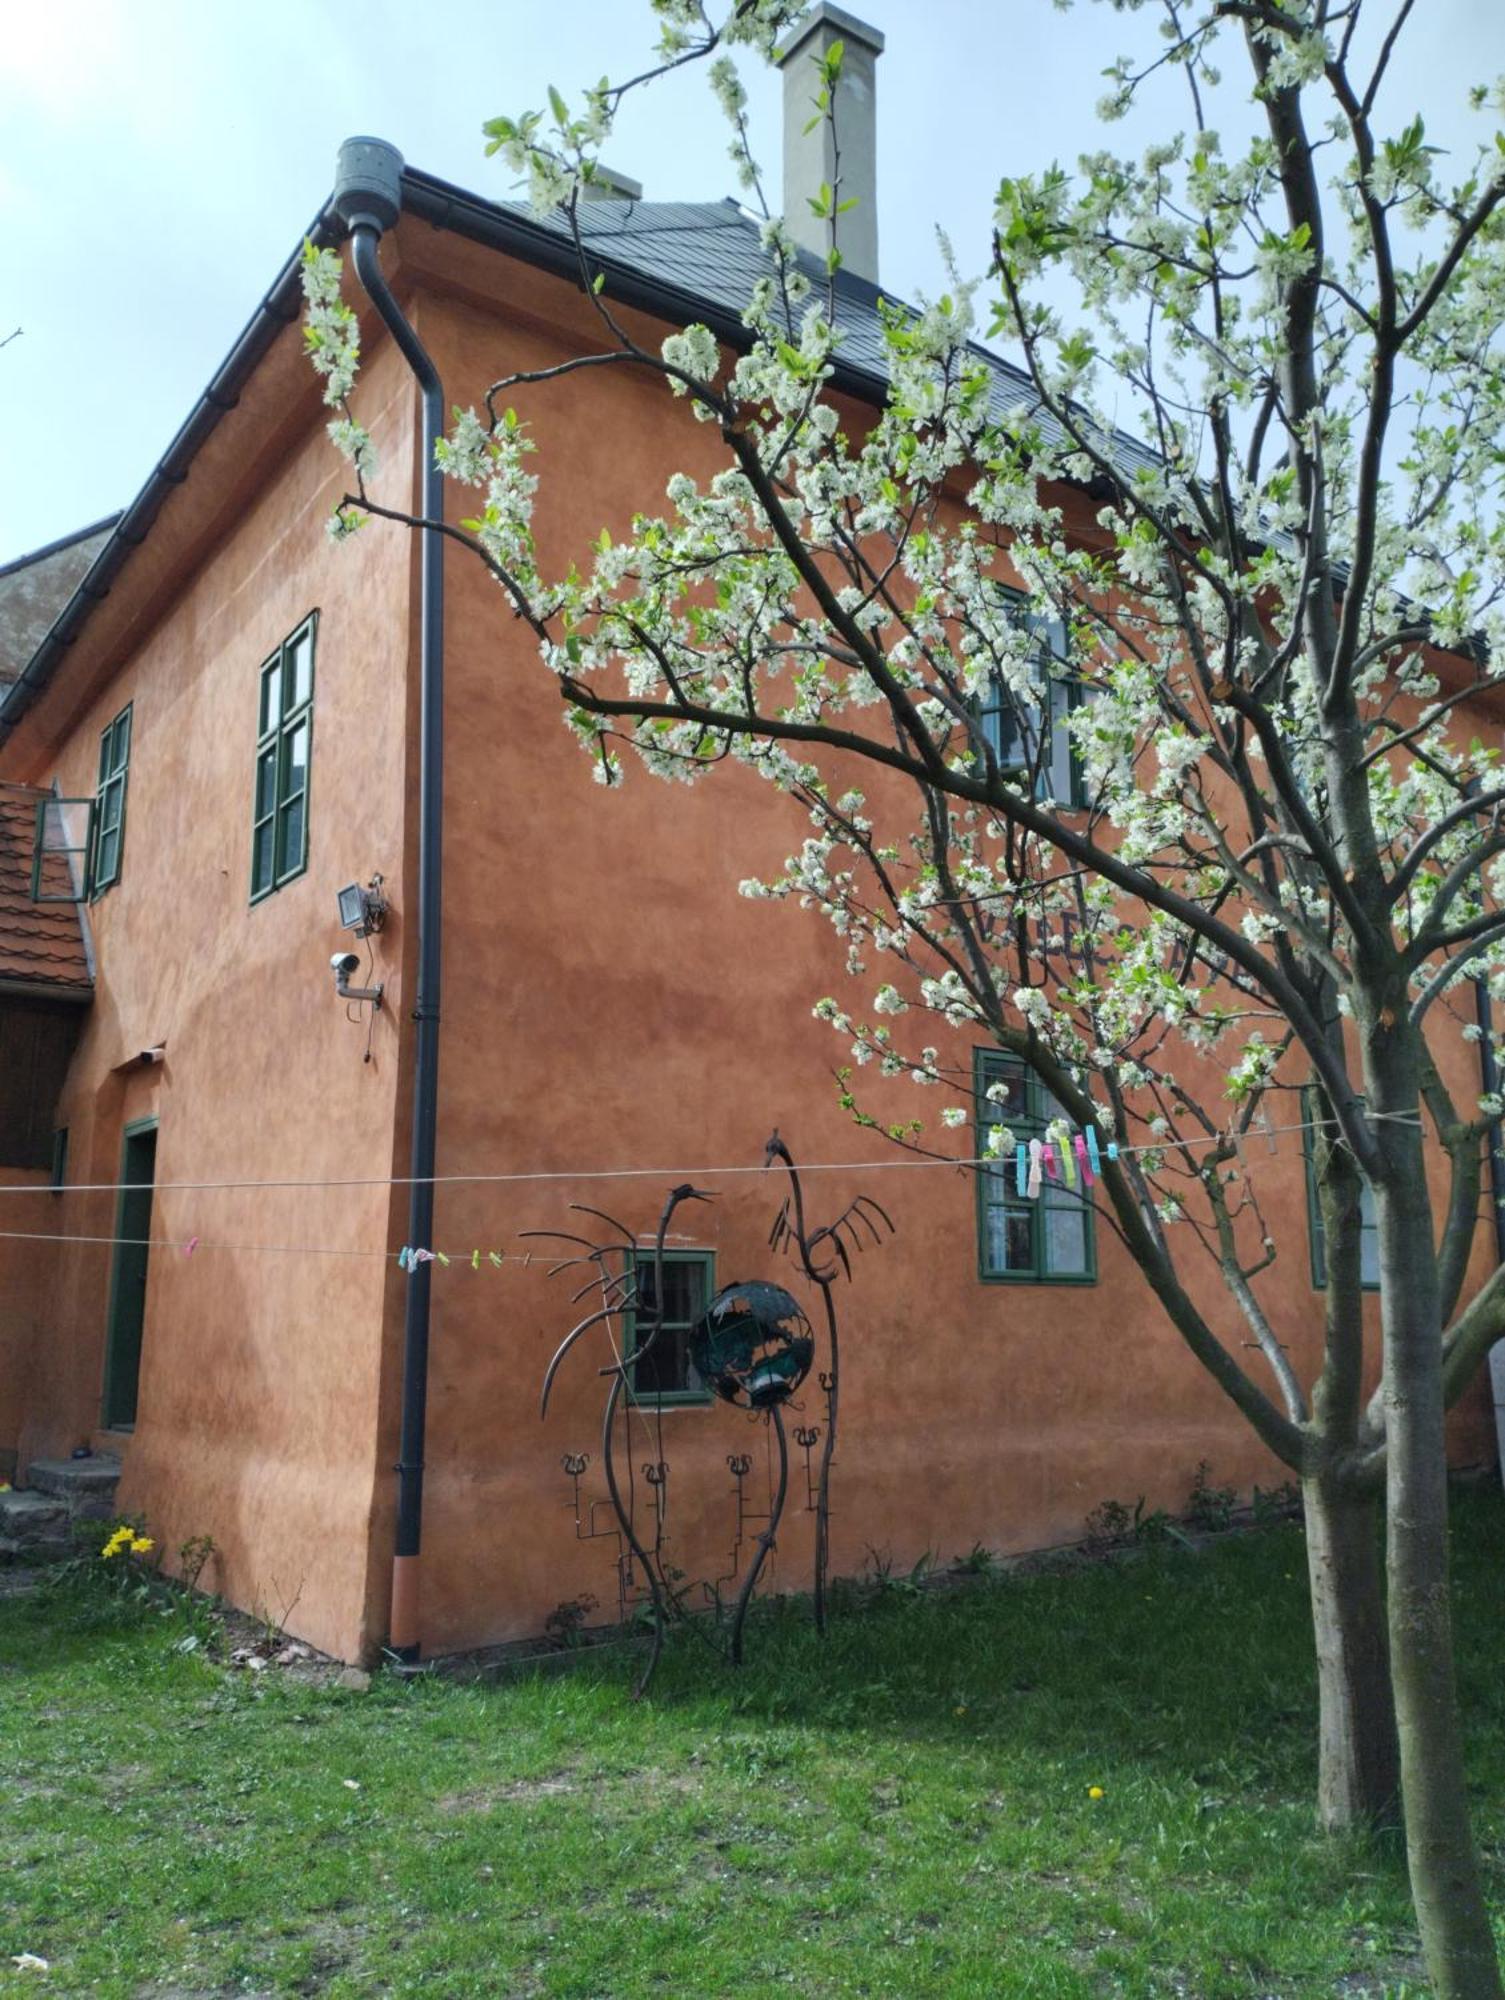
(121, 749)
(1060, 743)
(1002, 733)
(266, 783)
(295, 766)
(1010, 1244)
(290, 835)
(107, 856)
(261, 857)
(1065, 1234)
(300, 678)
(271, 698)
(683, 1288)
(1013, 1106)
(112, 805)
(666, 1369)
(1369, 1239)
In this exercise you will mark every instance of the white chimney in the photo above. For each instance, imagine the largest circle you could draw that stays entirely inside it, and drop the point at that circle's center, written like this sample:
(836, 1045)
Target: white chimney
(811, 157)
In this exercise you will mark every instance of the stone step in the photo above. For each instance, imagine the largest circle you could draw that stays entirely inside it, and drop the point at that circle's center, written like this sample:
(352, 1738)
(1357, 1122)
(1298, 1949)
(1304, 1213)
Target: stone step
(85, 1486)
(23, 1512)
(34, 1526)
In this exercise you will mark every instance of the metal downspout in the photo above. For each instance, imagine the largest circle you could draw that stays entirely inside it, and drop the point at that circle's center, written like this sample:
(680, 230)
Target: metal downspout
(368, 197)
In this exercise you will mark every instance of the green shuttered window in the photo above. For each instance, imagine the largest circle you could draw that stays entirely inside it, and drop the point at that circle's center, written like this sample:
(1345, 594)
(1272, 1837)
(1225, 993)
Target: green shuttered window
(109, 802)
(284, 736)
(1045, 1241)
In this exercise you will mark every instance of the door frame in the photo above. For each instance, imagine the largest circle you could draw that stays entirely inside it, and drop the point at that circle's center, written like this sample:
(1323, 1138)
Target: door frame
(132, 1130)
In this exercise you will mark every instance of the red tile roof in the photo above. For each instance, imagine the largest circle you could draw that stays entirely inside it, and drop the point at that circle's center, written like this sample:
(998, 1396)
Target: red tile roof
(41, 944)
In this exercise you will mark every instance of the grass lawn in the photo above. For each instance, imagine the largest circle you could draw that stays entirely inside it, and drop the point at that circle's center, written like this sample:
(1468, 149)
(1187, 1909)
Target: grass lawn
(906, 1810)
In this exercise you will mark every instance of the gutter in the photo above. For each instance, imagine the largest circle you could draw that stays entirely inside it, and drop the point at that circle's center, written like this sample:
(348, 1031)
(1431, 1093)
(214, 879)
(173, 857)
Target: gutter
(368, 197)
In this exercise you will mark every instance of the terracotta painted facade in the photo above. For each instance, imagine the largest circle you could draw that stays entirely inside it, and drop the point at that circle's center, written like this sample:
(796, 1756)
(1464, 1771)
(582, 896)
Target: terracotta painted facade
(610, 1004)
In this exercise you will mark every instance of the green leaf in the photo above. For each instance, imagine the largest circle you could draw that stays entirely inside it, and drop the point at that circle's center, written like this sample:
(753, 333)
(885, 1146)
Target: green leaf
(558, 106)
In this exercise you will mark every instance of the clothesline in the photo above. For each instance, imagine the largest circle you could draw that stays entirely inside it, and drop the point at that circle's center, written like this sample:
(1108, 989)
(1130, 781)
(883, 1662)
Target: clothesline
(671, 1174)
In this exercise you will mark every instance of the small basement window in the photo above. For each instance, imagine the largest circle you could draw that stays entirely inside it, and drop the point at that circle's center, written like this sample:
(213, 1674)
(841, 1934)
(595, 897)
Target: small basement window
(665, 1374)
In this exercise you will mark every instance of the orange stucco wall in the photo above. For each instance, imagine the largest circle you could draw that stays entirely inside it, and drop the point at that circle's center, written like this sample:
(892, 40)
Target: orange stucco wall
(261, 1361)
(610, 1003)
(613, 1003)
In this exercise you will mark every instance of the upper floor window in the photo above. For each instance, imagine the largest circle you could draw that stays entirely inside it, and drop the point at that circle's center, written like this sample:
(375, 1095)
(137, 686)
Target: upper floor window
(1029, 736)
(109, 802)
(665, 1374)
(1045, 1239)
(284, 731)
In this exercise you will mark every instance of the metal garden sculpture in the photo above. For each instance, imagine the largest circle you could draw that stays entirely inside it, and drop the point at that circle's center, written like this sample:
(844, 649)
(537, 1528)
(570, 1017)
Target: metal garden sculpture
(752, 1347)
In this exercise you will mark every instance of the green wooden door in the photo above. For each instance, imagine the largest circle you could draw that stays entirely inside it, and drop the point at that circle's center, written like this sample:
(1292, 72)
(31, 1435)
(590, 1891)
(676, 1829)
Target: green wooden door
(133, 1228)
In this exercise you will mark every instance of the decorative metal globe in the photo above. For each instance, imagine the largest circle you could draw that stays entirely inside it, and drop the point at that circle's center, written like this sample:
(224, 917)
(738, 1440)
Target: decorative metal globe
(754, 1345)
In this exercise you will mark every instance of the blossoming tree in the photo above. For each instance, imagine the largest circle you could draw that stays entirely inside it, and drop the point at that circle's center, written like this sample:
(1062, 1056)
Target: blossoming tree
(1141, 760)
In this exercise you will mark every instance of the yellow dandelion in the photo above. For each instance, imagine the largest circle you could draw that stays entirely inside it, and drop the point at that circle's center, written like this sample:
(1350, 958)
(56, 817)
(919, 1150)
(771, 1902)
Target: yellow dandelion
(1094, 1791)
(140, 1544)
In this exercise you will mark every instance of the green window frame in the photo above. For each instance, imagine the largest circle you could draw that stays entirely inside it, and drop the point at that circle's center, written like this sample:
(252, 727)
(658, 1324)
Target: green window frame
(1012, 729)
(666, 1377)
(1050, 1240)
(109, 804)
(284, 745)
(1369, 1227)
(59, 1159)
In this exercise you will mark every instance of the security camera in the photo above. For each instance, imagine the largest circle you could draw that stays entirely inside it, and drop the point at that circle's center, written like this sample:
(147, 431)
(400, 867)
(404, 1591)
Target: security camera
(342, 965)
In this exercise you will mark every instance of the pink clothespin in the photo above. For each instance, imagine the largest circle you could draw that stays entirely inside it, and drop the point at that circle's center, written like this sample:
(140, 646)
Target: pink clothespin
(1080, 1146)
(190, 1246)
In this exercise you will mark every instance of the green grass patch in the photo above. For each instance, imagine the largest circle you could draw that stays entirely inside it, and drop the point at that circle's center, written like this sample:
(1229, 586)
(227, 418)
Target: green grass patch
(907, 1809)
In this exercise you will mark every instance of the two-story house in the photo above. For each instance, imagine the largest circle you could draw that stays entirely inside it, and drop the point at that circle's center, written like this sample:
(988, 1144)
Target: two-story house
(202, 1278)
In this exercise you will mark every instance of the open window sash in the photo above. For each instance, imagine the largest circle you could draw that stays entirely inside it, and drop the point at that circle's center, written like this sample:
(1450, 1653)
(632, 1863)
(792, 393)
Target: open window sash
(62, 851)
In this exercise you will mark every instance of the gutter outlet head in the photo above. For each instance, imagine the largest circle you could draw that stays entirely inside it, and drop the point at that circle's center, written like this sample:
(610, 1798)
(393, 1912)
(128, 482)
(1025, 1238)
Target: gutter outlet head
(368, 183)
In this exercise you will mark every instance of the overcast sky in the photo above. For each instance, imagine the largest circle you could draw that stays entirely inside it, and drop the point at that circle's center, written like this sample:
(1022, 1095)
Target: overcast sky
(161, 158)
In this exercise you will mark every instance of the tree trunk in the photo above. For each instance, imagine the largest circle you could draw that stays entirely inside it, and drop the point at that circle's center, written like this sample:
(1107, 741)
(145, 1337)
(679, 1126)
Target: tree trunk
(1358, 1770)
(1445, 1886)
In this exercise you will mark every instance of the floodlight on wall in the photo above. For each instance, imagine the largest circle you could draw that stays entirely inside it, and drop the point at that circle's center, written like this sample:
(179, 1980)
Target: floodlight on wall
(362, 910)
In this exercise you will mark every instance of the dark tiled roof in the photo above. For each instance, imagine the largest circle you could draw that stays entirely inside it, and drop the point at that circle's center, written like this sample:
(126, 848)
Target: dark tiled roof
(41, 944)
(711, 252)
(34, 589)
